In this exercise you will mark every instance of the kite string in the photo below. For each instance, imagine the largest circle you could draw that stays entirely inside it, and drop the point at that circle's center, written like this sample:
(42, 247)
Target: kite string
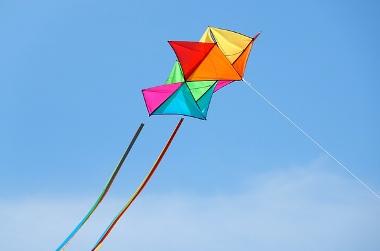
(315, 142)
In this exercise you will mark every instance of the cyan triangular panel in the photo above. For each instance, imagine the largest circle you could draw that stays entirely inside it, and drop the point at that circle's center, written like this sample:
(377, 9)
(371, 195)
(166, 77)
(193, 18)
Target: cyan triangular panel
(182, 103)
(157, 95)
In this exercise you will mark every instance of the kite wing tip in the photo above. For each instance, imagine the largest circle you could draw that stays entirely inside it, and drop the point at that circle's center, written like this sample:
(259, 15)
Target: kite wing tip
(258, 34)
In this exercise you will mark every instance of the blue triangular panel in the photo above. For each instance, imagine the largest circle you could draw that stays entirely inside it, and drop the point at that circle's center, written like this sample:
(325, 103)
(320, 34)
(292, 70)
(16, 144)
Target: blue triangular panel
(181, 102)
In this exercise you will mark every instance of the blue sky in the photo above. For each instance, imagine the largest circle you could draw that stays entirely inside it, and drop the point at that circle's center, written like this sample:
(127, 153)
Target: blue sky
(71, 75)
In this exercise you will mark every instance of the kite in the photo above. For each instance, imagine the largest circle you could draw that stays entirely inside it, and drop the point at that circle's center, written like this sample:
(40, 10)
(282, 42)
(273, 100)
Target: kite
(202, 68)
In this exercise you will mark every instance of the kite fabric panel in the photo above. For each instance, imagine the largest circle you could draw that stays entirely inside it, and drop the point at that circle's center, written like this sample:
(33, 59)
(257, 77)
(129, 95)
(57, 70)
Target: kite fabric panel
(181, 102)
(199, 88)
(203, 61)
(220, 84)
(178, 99)
(176, 75)
(190, 54)
(235, 46)
(155, 96)
(202, 68)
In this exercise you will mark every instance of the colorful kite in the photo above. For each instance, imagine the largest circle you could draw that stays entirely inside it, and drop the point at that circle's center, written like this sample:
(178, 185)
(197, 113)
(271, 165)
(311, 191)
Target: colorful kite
(202, 68)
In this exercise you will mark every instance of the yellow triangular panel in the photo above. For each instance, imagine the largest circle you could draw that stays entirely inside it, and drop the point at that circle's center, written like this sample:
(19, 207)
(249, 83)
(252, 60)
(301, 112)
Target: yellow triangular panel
(231, 43)
(215, 66)
(241, 61)
(207, 37)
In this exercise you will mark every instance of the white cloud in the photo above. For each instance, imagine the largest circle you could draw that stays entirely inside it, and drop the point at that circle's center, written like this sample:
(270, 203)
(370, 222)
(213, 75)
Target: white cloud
(293, 209)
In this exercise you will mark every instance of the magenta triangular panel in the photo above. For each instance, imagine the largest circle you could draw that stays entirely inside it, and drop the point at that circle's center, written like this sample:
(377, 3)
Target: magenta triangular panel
(157, 95)
(222, 83)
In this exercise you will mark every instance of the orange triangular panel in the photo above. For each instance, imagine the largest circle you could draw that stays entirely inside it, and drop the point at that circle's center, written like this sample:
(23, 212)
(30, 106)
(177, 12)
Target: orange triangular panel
(241, 61)
(190, 54)
(214, 67)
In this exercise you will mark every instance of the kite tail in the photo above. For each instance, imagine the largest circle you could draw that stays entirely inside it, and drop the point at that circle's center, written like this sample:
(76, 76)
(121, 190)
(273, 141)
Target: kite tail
(104, 192)
(138, 190)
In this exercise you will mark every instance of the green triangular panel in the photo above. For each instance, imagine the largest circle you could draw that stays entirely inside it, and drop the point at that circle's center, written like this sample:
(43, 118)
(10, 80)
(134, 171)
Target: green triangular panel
(181, 102)
(198, 88)
(204, 101)
(176, 74)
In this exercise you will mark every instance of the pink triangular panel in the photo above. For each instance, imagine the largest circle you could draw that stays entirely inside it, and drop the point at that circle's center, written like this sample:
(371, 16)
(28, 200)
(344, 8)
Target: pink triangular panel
(157, 95)
(221, 84)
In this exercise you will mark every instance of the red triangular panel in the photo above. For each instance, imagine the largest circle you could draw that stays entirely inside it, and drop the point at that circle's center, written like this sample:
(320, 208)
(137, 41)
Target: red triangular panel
(190, 54)
(215, 66)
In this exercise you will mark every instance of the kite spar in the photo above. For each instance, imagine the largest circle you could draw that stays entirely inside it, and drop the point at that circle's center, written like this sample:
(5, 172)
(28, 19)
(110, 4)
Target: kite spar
(139, 189)
(105, 190)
